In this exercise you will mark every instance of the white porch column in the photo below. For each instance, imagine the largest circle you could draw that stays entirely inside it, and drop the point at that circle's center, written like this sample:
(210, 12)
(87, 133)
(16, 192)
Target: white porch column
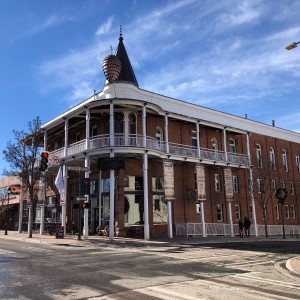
(144, 126)
(146, 200)
(100, 197)
(66, 137)
(111, 124)
(251, 187)
(63, 202)
(167, 133)
(203, 219)
(170, 218)
(87, 129)
(198, 139)
(86, 210)
(229, 211)
(112, 203)
(225, 144)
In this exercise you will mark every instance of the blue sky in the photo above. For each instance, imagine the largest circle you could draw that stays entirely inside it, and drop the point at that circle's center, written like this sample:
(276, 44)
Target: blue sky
(224, 55)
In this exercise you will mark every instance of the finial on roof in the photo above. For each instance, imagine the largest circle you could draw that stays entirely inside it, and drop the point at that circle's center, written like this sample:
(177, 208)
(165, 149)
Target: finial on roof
(121, 37)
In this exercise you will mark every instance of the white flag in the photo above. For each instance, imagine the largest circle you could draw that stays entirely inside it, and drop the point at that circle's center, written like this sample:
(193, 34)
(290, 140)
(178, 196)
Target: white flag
(59, 183)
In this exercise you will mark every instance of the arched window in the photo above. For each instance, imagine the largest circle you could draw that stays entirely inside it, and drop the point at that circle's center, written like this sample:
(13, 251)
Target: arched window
(273, 185)
(232, 148)
(132, 128)
(259, 156)
(298, 162)
(119, 128)
(272, 159)
(214, 144)
(284, 161)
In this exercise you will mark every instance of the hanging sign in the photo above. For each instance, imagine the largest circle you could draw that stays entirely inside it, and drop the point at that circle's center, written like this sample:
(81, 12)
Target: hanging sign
(200, 177)
(228, 184)
(169, 180)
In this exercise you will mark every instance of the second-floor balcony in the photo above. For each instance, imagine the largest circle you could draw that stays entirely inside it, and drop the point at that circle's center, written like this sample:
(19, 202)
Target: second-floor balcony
(150, 143)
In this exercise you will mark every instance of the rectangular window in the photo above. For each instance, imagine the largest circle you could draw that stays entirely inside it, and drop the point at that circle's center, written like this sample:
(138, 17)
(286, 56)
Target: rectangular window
(133, 209)
(293, 215)
(157, 184)
(160, 211)
(277, 211)
(287, 211)
(259, 185)
(237, 212)
(133, 183)
(217, 183)
(194, 139)
(235, 184)
(273, 187)
(292, 190)
(219, 212)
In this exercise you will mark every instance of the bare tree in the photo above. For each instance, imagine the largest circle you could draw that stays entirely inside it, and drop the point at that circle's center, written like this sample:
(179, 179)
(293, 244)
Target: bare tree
(263, 181)
(22, 157)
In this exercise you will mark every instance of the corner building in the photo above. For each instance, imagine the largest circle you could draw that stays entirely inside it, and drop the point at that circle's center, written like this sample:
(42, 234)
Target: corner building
(160, 166)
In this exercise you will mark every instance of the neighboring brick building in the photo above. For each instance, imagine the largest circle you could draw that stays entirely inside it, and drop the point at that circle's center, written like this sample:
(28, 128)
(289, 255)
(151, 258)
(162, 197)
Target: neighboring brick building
(178, 162)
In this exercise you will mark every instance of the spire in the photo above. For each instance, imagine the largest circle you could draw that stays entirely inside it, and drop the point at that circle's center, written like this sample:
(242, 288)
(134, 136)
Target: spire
(127, 73)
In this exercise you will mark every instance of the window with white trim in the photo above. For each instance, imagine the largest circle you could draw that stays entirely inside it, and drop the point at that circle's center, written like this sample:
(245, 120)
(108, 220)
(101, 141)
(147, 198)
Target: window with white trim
(293, 214)
(237, 212)
(259, 156)
(259, 185)
(282, 184)
(292, 188)
(217, 183)
(235, 184)
(232, 147)
(251, 212)
(273, 185)
(198, 208)
(194, 139)
(287, 211)
(298, 162)
(214, 144)
(272, 159)
(219, 212)
(77, 137)
(277, 211)
(284, 161)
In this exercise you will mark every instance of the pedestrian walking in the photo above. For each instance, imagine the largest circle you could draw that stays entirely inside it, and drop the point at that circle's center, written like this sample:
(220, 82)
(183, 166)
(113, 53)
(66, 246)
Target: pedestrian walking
(247, 224)
(241, 228)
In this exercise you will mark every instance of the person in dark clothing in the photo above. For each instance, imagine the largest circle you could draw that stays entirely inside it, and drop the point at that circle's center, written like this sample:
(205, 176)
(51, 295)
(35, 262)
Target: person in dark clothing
(247, 224)
(241, 228)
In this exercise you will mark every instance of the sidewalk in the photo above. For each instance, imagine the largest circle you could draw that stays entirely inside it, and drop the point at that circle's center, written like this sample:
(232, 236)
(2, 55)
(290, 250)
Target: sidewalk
(95, 241)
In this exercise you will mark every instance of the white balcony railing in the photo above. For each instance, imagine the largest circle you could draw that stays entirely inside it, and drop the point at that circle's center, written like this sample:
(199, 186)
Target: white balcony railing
(137, 141)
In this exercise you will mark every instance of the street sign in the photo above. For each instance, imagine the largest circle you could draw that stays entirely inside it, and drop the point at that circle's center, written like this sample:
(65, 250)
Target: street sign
(55, 160)
(78, 169)
(81, 198)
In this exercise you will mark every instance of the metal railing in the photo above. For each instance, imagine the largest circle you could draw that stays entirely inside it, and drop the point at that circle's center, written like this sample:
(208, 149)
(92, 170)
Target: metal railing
(137, 141)
(221, 229)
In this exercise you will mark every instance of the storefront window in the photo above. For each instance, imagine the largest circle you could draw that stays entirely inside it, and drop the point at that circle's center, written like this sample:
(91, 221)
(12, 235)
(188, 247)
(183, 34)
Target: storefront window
(160, 212)
(133, 209)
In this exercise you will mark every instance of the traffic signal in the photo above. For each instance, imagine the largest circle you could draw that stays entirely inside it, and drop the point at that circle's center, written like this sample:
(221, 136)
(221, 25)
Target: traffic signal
(85, 205)
(43, 162)
(85, 186)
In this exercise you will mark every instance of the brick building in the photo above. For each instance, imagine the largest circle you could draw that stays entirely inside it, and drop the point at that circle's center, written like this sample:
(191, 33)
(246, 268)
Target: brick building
(174, 164)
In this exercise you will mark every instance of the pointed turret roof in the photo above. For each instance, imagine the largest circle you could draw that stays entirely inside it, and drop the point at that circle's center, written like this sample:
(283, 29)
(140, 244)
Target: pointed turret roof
(127, 73)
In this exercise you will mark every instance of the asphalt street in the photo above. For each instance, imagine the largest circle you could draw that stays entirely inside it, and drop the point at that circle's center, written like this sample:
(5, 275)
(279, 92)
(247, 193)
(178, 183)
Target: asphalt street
(226, 268)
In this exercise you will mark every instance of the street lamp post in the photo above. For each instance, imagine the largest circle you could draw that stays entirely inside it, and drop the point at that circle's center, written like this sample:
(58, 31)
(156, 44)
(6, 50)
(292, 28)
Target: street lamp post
(292, 45)
(8, 192)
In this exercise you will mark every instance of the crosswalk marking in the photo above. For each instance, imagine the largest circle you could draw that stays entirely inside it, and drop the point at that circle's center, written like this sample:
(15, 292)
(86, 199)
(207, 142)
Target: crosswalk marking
(2, 251)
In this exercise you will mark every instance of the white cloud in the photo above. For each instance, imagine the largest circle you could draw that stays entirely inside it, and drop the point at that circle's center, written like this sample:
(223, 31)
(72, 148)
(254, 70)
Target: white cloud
(41, 25)
(104, 28)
